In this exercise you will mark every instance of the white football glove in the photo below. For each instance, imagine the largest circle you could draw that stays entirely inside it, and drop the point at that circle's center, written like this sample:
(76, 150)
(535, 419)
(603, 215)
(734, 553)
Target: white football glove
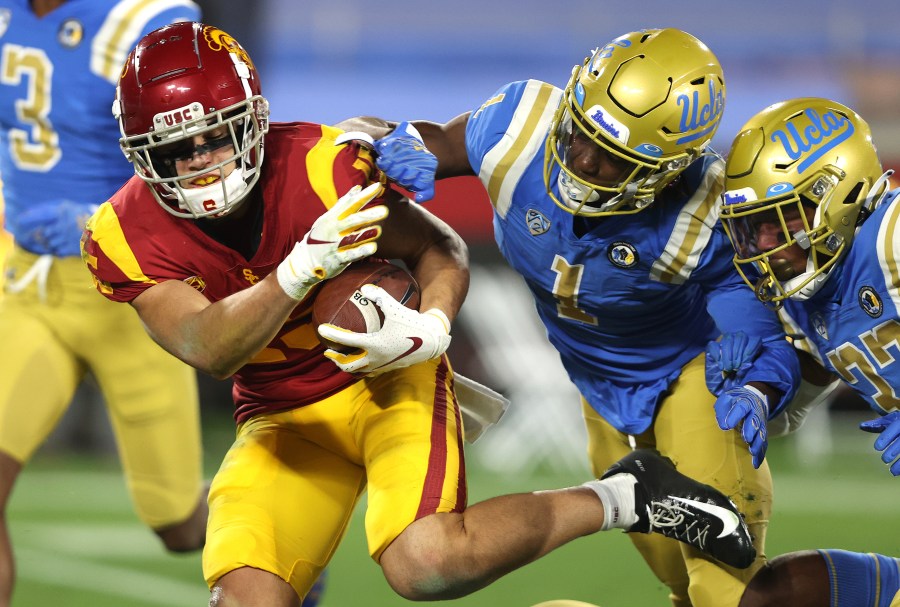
(406, 337)
(339, 237)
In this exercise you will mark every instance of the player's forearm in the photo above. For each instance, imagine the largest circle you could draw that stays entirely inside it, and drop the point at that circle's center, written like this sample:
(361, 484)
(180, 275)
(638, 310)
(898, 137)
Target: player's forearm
(244, 323)
(444, 281)
(219, 338)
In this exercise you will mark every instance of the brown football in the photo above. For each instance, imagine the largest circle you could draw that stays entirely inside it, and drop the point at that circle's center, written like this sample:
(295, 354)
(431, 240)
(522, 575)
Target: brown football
(340, 303)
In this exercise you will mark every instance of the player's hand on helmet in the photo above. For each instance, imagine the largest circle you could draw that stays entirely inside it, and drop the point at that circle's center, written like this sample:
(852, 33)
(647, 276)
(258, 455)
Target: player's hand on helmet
(747, 407)
(406, 337)
(729, 359)
(53, 229)
(403, 157)
(347, 232)
(888, 441)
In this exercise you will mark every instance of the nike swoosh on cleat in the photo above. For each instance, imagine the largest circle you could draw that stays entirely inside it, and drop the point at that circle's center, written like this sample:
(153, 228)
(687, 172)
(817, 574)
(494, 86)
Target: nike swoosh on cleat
(730, 520)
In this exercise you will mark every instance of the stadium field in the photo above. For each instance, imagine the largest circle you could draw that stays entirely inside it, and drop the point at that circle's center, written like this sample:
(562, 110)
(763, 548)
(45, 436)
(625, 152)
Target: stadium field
(78, 544)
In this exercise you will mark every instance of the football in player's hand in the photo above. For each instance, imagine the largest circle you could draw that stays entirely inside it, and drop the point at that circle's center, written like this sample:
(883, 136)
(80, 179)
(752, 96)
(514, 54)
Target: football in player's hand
(340, 303)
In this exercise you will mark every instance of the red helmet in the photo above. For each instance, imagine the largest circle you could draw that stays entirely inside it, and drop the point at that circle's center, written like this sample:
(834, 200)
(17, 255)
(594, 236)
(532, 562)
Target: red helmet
(184, 83)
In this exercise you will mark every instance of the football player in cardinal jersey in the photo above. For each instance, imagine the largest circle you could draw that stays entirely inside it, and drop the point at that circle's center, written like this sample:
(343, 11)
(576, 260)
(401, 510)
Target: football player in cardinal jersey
(605, 200)
(58, 161)
(219, 242)
(814, 224)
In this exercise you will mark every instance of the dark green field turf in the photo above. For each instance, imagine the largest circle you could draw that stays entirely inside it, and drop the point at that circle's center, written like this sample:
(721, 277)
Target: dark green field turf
(79, 544)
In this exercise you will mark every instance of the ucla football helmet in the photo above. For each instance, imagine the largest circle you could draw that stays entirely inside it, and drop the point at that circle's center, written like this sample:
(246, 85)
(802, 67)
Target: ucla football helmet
(802, 173)
(652, 101)
(184, 83)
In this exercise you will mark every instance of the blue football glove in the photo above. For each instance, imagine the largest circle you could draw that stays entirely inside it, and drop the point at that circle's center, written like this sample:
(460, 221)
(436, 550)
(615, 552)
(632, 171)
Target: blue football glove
(888, 441)
(729, 359)
(403, 157)
(53, 228)
(748, 407)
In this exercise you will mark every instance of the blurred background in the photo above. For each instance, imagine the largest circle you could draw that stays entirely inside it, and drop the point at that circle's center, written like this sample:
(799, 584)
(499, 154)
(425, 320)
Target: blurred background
(326, 60)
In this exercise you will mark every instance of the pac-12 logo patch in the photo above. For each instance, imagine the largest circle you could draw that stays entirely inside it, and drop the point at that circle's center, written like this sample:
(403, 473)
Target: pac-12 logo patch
(870, 302)
(622, 254)
(536, 222)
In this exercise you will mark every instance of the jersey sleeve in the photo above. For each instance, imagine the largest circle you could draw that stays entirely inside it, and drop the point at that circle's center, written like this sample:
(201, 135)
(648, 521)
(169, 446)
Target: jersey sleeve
(116, 272)
(126, 24)
(506, 133)
(334, 169)
(888, 246)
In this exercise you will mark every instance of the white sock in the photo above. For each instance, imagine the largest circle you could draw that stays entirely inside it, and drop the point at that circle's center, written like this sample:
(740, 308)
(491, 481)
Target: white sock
(617, 495)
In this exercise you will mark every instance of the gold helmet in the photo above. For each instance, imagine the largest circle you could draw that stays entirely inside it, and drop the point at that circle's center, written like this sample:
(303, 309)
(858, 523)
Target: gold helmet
(802, 172)
(652, 100)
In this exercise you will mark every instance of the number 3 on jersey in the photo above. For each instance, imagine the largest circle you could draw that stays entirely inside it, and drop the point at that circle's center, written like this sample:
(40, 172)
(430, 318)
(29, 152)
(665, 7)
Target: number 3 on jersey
(40, 152)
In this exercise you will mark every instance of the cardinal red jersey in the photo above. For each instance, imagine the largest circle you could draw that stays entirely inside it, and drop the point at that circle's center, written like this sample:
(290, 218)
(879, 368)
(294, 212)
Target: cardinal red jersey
(132, 243)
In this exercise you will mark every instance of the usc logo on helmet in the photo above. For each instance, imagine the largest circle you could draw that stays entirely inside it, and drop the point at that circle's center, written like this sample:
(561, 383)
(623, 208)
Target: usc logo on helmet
(218, 40)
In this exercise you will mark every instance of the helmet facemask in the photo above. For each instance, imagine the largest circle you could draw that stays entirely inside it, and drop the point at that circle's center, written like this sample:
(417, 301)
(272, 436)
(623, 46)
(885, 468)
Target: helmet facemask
(155, 154)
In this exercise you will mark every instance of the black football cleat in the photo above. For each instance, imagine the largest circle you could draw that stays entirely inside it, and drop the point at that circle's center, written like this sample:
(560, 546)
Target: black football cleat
(679, 507)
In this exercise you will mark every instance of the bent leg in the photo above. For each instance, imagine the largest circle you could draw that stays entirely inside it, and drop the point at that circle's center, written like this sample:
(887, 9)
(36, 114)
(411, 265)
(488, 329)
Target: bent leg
(428, 544)
(38, 377)
(154, 409)
(663, 555)
(280, 504)
(686, 431)
(9, 471)
(449, 555)
(799, 579)
(826, 578)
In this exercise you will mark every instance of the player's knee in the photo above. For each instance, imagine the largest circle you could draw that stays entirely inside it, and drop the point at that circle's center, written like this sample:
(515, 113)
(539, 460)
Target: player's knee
(421, 564)
(187, 536)
(796, 579)
(419, 574)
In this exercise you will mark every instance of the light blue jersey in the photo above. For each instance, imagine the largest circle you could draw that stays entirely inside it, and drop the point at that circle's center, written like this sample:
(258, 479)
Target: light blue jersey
(852, 325)
(626, 300)
(59, 74)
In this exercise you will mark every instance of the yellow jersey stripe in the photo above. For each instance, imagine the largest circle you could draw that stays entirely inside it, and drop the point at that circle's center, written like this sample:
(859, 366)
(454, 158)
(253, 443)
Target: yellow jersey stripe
(122, 29)
(692, 230)
(505, 163)
(107, 231)
(320, 166)
(889, 249)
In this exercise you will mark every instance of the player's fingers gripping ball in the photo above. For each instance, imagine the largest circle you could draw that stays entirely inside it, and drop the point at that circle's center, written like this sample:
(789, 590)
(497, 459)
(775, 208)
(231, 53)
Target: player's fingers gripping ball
(404, 337)
(347, 232)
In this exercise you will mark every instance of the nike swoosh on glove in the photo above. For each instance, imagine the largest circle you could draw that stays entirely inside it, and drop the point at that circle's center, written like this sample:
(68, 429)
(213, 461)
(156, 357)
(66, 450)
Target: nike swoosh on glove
(888, 441)
(748, 407)
(347, 232)
(406, 337)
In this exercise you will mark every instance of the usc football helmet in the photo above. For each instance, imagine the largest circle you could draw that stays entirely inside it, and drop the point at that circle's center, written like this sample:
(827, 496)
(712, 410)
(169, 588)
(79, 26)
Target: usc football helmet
(652, 100)
(802, 173)
(189, 89)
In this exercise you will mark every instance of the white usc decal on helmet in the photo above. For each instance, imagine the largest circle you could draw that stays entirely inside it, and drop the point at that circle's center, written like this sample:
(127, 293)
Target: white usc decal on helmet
(178, 116)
